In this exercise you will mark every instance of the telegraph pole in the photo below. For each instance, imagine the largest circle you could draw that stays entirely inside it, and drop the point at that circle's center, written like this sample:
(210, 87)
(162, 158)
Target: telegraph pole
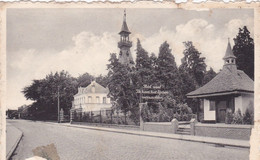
(58, 104)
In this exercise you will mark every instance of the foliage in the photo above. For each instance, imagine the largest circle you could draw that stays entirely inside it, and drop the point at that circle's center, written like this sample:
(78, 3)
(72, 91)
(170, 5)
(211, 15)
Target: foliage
(143, 66)
(166, 111)
(167, 71)
(84, 80)
(244, 51)
(237, 117)
(229, 116)
(45, 94)
(209, 75)
(193, 63)
(122, 86)
(192, 72)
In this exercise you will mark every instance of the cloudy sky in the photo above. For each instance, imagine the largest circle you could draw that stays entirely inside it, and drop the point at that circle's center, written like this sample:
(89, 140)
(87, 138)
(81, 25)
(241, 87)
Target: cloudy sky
(40, 41)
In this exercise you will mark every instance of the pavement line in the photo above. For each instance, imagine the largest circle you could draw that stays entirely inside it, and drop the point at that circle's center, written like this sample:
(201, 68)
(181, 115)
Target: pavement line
(9, 154)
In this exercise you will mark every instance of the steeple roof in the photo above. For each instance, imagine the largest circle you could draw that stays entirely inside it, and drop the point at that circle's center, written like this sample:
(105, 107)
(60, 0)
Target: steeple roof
(124, 27)
(229, 53)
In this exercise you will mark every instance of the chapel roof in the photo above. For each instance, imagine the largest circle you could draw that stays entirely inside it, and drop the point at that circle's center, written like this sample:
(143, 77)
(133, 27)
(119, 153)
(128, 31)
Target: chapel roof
(224, 83)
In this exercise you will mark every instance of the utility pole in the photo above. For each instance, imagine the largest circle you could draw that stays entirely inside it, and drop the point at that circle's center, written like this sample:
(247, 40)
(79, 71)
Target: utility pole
(58, 104)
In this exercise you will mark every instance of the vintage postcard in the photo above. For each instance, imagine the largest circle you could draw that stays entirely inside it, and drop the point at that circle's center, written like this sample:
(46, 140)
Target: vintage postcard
(144, 80)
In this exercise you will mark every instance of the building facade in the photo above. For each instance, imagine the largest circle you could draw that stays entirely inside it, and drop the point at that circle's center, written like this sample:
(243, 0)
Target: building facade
(231, 90)
(93, 98)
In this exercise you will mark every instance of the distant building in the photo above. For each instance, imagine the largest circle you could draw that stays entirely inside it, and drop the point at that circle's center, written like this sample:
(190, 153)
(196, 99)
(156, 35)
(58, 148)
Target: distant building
(125, 56)
(231, 90)
(92, 98)
(12, 114)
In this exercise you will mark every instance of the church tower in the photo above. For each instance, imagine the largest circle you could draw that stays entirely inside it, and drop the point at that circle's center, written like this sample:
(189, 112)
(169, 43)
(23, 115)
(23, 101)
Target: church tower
(125, 56)
(230, 59)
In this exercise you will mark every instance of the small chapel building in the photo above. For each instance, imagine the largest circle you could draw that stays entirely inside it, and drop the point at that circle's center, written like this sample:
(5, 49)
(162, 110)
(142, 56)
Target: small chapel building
(93, 98)
(231, 89)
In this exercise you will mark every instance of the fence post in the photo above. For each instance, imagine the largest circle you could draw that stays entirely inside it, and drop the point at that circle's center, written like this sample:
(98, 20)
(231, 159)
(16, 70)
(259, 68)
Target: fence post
(175, 124)
(71, 115)
(100, 118)
(140, 117)
(192, 126)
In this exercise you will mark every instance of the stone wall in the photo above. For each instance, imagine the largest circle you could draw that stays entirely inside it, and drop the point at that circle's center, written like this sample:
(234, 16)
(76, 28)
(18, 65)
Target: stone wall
(241, 132)
(163, 127)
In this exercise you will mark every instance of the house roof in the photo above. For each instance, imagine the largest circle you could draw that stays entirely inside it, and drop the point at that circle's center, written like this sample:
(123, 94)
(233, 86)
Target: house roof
(97, 88)
(226, 82)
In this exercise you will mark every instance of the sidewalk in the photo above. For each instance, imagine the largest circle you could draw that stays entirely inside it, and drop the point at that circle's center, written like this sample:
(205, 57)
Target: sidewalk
(13, 137)
(209, 140)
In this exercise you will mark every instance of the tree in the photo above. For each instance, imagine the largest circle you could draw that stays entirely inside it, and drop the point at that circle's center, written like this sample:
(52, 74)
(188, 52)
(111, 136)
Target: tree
(244, 51)
(167, 71)
(193, 63)
(122, 86)
(102, 80)
(45, 94)
(192, 71)
(143, 66)
(209, 75)
(85, 79)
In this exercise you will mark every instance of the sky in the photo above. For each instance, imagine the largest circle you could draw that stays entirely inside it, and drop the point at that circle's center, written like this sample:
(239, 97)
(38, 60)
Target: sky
(41, 41)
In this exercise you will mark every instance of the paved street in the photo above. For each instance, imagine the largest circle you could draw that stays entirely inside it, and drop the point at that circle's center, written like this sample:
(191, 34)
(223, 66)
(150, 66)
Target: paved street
(77, 143)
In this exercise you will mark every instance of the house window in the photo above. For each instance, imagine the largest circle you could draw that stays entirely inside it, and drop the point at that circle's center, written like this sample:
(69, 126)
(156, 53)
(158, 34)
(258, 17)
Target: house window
(97, 99)
(104, 100)
(89, 99)
(212, 105)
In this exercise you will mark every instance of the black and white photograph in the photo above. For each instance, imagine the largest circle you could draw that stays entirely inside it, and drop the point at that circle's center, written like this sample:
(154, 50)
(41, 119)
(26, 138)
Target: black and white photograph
(129, 83)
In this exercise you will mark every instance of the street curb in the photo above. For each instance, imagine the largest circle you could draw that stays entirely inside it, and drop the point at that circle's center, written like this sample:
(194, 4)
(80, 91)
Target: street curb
(9, 154)
(208, 140)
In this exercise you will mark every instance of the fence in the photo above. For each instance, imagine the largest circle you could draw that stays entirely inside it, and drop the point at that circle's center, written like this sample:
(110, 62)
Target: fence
(106, 116)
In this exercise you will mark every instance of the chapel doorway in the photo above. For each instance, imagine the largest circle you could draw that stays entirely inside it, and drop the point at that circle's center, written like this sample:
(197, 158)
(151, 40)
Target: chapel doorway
(221, 111)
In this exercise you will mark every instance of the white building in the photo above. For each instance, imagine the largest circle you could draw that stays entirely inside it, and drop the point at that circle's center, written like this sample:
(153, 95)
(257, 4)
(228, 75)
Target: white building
(92, 98)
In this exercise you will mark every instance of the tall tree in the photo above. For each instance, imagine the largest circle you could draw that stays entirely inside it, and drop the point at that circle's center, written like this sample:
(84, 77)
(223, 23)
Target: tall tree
(143, 65)
(167, 71)
(244, 51)
(192, 71)
(193, 63)
(122, 86)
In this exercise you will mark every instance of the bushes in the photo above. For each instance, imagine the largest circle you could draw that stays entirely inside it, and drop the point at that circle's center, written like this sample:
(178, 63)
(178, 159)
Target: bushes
(164, 114)
(238, 118)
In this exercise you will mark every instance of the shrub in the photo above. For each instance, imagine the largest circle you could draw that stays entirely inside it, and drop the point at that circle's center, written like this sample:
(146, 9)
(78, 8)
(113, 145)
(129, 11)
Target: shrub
(237, 117)
(229, 116)
(248, 118)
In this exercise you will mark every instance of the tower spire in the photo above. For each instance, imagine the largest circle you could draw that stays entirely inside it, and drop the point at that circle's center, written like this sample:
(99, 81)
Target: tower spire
(125, 15)
(229, 58)
(125, 56)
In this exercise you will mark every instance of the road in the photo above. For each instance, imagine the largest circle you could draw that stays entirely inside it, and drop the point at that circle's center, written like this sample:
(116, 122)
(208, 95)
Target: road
(84, 144)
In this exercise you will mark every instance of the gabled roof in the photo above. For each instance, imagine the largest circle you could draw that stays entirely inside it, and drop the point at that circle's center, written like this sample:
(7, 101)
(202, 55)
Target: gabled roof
(226, 82)
(229, 53)
(97, 89)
